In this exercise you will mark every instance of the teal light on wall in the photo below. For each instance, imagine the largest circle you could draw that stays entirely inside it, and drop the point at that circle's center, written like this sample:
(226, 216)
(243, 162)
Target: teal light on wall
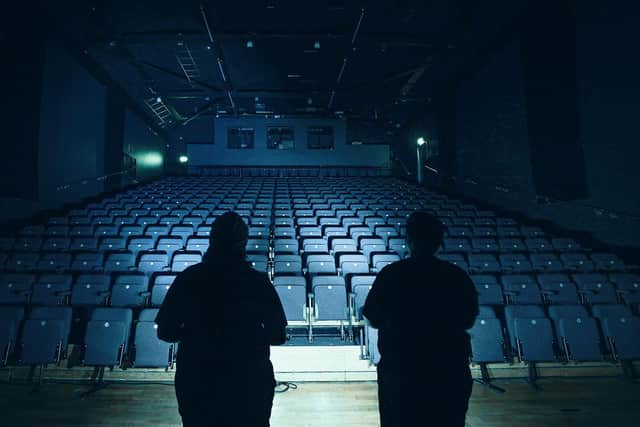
(151, 159)
(183, 159)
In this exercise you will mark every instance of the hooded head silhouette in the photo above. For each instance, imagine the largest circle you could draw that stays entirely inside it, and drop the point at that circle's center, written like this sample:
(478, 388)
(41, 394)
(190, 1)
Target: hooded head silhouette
(229, 235)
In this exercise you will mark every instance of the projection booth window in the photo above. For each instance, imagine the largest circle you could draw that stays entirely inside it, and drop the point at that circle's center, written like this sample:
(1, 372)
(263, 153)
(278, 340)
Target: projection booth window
(320, 138)
(240, 138)
(280, 138)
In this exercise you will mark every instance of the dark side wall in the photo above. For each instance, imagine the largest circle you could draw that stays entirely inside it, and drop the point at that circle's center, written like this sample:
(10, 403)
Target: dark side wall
(494, 149)
(72, 125)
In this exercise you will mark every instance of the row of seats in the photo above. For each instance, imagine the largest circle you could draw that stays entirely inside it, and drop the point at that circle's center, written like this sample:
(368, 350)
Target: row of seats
(566, 332)
(111, 337)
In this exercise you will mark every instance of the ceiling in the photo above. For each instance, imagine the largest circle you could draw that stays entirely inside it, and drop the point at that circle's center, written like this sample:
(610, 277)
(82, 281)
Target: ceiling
(369, 61)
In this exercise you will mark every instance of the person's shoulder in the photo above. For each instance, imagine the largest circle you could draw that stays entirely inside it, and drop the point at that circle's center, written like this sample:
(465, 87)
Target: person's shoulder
(396, 266)
(194, 270)
(452, 269)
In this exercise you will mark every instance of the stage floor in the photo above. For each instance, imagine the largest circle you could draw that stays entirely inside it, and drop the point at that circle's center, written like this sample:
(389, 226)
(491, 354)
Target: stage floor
(603, 402)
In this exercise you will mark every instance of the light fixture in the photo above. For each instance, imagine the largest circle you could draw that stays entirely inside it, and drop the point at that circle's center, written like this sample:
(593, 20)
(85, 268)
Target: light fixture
(421, 141)
(316, 45)
(249, 43)
(150, 159)
(158, 100)
(183, 159)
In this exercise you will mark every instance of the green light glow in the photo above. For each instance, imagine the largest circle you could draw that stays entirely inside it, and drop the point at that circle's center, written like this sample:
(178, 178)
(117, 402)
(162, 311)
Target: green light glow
(150, 159)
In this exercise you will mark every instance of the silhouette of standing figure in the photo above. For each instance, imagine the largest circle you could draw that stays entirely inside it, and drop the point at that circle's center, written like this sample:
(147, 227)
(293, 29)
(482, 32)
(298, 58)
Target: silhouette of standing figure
(224, 315)
(422, 307)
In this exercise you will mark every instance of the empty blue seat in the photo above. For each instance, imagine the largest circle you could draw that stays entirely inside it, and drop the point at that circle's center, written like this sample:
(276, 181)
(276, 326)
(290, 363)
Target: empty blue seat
(45, 335)
(456, 259)
(558, 288)
(148, 350)
(595, 288)
(484, 263)
(283, 232)
(521, 289)
(91, 290)
(107, 336)
(160, 284)
(381, 260)
(153, 262)
(314, 245)
(129, 290)
(310, 232)
(538, 244)
(320, 264)
(360, 287)
(87, 261)
(137, 244)
(577, 262)
(488, 289)
(330, 298)
(15, 288)
(259, 262)
(286, 246)
(182, 260)
(56, 244)
(119, 262)
(353, 264)
(562, 244)
(54, 261)
(628, 286)
(577, 332)
(484, 245)
(293, 295)
(532, 232)
(287, 265)
(546, 262)
(198, 244)
(257, 246)
(511, 245)
(607, 261)
(52, 289)
(622, 335)
(399, 246)
(487, 341)
(259, 232)
(530, 333)
(515, 263)
(84, 244)
(22, 261)
(10, 322)
(169, 245)
(183, 231)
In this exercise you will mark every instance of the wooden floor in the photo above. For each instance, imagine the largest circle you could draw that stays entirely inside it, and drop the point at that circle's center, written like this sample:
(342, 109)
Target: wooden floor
(560, 402)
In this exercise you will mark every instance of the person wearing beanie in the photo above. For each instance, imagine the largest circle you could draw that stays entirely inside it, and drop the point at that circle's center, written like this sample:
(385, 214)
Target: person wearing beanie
(224, 315)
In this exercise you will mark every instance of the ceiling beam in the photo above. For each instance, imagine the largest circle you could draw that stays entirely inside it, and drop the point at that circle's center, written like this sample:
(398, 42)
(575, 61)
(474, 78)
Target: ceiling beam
(172, 35)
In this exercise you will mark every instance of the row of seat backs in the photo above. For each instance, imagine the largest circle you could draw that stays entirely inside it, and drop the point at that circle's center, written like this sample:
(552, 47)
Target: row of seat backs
(44, 336)
(540, 336)
(557, 288)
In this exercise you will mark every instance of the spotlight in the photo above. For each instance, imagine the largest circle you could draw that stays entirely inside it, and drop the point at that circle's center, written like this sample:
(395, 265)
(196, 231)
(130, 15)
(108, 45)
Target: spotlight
(183, 159)
(158, 100)
(421, 141)
(316, 45)
(249, 43)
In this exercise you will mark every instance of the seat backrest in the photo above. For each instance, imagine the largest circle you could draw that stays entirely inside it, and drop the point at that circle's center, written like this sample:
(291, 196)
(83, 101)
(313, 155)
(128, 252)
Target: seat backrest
(603, 311)
(567, 311)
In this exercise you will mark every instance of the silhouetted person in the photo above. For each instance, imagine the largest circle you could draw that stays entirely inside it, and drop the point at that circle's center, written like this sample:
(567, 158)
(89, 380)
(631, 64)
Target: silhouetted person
(224, 315)
(422, 307)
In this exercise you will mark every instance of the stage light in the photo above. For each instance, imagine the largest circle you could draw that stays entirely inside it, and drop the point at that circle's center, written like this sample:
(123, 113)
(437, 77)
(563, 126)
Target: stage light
(158, 100)
(183, 159)
(151, 159)
(421, 141)
(249, 43)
